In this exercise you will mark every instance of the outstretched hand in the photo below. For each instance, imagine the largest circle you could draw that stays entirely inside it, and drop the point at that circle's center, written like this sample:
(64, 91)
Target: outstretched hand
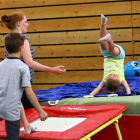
(58, 70)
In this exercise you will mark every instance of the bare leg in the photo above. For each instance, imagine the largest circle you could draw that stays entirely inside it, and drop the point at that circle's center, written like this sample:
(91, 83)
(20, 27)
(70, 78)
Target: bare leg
(28, 129)
(23, 119)
(106, 41)
(114, 51)
(103, 32)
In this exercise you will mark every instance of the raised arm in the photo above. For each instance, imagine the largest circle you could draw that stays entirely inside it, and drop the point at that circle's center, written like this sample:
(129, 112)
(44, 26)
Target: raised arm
(37, 66)
(126, 86)
(97, 90)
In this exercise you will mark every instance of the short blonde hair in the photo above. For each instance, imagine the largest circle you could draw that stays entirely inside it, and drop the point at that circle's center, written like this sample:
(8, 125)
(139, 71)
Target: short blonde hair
(112, 85)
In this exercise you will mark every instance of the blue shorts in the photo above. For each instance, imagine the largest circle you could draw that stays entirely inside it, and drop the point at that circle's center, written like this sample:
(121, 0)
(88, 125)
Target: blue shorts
(107, 55)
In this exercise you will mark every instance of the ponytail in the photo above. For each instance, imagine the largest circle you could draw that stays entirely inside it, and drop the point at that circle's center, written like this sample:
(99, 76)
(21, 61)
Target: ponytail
(5, 19)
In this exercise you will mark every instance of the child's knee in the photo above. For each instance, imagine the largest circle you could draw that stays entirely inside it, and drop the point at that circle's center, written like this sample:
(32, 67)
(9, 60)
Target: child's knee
(104, 45)
(111, 52)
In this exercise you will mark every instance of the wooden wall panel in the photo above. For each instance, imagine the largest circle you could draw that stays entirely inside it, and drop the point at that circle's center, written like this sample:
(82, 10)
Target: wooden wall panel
(136, 34)
(137, 58)
(67, 50)
(78, 37)
(68, 77)
(2, 53)
(74, 37)
(77, 23)
(4, 30)
(75, 63)
(128, 47)
(137, 48)
(2, 37)
(136, 20)
(73, 10)
(45, 86)
(136, 6)
(29, 3)
(71, 76)
(78, 63)
(76, 50)
(68, 32)
(71, 50)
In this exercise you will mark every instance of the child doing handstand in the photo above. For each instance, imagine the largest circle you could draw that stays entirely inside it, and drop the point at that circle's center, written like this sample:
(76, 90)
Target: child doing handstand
(113, 62)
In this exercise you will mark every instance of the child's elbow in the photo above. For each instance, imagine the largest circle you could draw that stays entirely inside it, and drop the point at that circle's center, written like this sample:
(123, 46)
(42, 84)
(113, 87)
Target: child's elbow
(28, 91)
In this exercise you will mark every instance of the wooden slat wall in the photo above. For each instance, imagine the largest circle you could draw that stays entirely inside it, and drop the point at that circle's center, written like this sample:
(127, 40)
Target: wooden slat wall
(26, 3)
(67, 33)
